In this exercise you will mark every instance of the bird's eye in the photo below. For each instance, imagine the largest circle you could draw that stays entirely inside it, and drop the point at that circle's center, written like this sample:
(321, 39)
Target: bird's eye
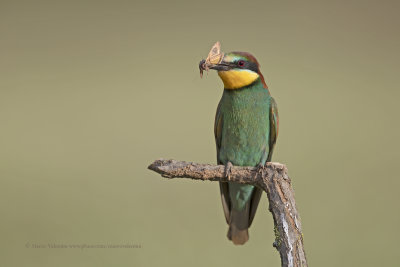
(241, 63)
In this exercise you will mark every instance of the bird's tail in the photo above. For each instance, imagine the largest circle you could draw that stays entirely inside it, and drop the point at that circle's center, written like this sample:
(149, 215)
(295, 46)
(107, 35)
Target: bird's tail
(238, 226)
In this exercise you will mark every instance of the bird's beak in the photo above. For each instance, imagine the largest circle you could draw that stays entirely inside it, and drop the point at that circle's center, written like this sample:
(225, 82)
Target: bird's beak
(220, 66)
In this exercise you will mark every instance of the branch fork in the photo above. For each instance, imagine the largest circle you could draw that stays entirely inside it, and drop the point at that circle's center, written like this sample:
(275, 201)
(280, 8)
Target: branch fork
(273, 179)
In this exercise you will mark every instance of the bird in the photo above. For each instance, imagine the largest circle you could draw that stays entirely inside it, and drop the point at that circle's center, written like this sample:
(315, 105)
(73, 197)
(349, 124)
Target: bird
(246, 128)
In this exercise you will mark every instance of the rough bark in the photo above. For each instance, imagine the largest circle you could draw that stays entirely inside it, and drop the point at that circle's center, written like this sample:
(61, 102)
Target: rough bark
(274, 180)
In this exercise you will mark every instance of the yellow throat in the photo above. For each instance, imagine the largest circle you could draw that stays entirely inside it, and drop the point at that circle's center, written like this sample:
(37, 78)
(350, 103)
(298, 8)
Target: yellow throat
(235, 79)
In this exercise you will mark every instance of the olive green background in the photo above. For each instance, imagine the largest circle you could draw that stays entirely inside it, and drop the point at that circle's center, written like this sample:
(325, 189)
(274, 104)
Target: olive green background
(91, 92)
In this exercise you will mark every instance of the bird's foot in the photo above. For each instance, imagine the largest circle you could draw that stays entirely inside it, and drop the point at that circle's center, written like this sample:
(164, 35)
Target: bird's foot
(261, 168)
(228, 170)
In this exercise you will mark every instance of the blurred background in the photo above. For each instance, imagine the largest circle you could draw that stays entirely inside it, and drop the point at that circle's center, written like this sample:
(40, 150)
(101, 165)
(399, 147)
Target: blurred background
(91, 92)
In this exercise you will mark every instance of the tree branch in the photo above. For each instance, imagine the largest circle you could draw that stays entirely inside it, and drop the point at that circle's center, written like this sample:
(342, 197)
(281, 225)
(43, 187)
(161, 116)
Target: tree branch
(274, 180)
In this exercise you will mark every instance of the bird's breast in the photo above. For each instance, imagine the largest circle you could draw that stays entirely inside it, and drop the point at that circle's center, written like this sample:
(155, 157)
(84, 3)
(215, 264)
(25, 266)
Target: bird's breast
(245, 128)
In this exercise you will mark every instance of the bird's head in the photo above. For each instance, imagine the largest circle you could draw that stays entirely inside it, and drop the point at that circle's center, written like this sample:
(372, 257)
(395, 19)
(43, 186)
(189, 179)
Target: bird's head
(236, 69)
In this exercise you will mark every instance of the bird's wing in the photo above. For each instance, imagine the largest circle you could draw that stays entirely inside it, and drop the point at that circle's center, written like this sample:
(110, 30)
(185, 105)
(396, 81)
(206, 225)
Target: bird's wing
(223, 186)
(273, 127)
(273, 134)
(218, 129)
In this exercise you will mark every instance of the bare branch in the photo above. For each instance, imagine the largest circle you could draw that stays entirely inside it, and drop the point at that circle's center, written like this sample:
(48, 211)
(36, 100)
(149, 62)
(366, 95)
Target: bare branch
(274, 180)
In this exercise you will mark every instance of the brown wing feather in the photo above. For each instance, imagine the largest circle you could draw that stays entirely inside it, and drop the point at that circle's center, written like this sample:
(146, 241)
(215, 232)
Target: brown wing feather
(226, 203)
(273, 126)
(255, 199)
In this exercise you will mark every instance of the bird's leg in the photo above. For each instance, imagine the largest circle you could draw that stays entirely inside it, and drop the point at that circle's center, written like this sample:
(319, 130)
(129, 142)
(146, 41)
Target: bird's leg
(228, 170)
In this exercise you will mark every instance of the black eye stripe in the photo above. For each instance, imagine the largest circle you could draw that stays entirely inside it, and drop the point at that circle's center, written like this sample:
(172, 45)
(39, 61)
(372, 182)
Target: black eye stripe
(247, 65)
(253, 66)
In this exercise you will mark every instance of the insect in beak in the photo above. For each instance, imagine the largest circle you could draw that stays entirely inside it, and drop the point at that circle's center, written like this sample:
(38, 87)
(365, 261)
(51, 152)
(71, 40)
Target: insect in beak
(214, 58)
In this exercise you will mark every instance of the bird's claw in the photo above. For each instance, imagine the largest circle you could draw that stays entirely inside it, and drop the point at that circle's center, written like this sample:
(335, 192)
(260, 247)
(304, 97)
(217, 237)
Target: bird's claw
(261, 168)
(228, 170)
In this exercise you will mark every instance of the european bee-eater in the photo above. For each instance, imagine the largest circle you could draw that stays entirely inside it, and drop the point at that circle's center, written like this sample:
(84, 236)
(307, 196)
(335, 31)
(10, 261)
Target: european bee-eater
(245, 128)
